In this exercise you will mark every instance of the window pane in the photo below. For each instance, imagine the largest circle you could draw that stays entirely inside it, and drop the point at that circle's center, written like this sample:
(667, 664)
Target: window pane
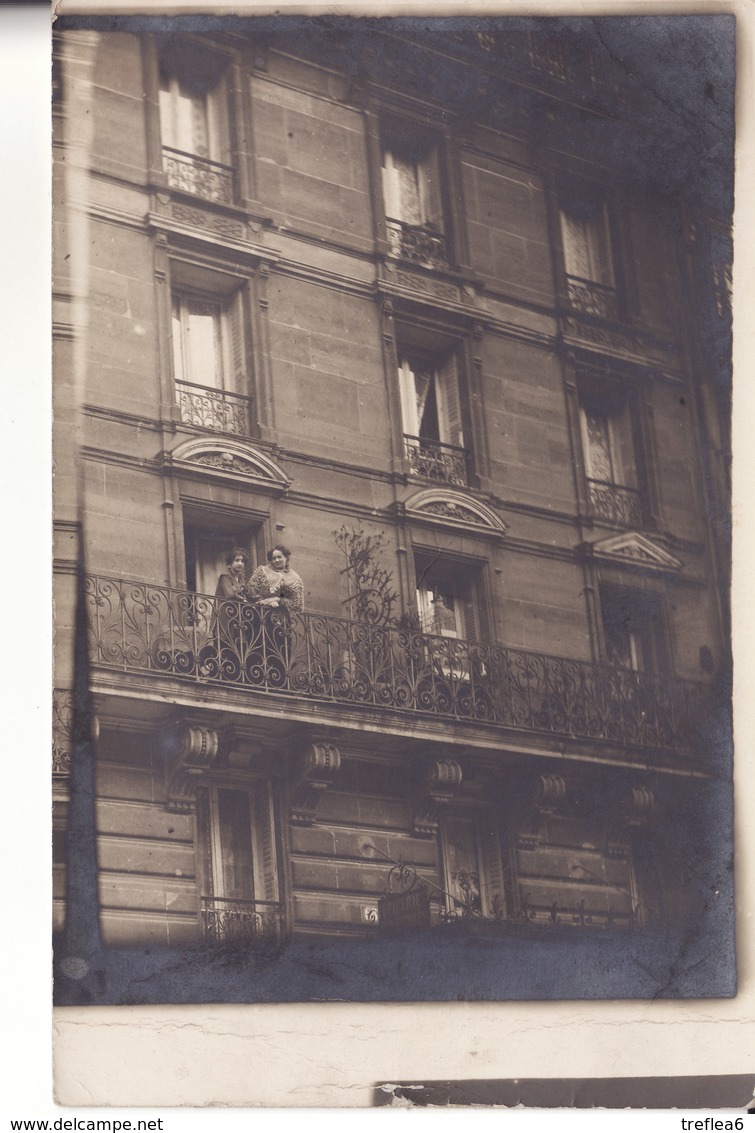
(235, 844)
(179, 371)
(598, 446)
(202, 344)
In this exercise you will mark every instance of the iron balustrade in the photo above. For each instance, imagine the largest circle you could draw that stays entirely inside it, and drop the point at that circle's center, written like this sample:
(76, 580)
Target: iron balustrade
(418, 243)
(436, 460)
(137, 627)
(229, 920)
(591, 298)
(615, 503)
(219, 410)
(198, 175)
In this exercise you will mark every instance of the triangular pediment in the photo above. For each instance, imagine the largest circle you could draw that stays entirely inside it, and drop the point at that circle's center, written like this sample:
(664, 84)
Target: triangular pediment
(636, 550)
(229, 459)
(442, 505)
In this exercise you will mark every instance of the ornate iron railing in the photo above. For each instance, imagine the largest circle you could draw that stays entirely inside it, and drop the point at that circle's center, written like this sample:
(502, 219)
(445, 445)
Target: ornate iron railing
(419, 243)
(215, 409)
(137, 627)
(198, 175)
(591, 298)
(227, 920)
(615, 504)
(436, 460)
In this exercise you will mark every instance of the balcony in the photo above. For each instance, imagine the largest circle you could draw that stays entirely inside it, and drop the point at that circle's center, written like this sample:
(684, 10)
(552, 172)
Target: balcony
(591, 298)
(230, 921)
(198, 176)
(615, 504)
(138, 628)
(436, 460)
(419, 243)
(215, 409)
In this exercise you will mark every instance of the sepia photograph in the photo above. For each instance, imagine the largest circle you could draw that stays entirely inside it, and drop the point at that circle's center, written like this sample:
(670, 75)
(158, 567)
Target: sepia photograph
(392, 386)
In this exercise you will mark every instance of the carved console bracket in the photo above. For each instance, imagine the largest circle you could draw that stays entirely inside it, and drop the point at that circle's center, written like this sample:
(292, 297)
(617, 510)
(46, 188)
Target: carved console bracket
(639, 805)
(437, 782)
(190, 751)
(318, 767)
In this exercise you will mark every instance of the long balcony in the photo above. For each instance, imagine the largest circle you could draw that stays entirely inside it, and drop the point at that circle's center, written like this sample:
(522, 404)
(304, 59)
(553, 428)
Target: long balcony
(230, 921)
(138, 628)
(198, 175)
(436, 460)
(218, 410)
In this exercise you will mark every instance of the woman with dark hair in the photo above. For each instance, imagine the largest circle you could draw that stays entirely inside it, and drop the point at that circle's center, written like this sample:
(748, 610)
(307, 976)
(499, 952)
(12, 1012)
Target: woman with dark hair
(278, 593)
(234, 621)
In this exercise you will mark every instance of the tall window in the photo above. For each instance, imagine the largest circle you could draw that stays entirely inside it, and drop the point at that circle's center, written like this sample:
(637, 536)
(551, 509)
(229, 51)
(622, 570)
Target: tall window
(413, 196)
(209, 362)
(432, 417)
(608, 446)
(447, 597)
(205, 549)
(588, 257)
(633, 629)
(472, 865)
(196, 137)
(237, 825)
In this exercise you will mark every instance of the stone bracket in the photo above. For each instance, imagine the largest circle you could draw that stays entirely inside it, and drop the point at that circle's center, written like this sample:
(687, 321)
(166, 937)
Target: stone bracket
(191, 751)
(318, 767)
(437, 782)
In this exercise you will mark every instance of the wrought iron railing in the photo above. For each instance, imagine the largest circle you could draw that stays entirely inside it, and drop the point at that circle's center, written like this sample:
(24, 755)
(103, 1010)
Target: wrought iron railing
(198, 175)
(419, 243)
(436, 460)
(137, 627)
(615, 504)
(227, 920)
(591, 298)
(215, 409)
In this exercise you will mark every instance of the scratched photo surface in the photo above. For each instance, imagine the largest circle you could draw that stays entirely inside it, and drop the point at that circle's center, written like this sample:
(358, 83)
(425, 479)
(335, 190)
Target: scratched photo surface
(392, 378)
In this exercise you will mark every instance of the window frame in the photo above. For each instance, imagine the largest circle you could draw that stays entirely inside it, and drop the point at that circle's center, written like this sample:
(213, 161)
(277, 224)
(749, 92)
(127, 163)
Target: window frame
(621, 501)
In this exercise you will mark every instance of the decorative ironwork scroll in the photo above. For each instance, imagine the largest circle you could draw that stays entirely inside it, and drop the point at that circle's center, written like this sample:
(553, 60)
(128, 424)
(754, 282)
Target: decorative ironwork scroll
(591, 298)
(216, 409)
(198, 175)
(136, 627)
(418, 243)
(615, 504)
(62, 732)
(436, 460)
(231, 921)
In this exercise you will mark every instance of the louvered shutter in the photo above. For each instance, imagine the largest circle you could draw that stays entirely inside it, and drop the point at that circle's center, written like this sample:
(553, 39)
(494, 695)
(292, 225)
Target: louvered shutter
(408, 394)
(431, 201)
(470, 630)
(449, 403)
(266, 881)
(493, 890)
(235, 375)
(218, 124)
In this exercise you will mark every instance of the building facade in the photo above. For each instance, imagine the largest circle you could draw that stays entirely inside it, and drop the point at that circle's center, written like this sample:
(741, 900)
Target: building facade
(436, 311)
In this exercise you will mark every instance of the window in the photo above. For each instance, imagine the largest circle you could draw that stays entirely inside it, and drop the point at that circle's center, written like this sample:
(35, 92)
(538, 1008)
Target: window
(609, 451)
(472, 866)
(588, 257)
(195, 132)
(209, 362)
(241, 899)
(432, 418)
(633, 629)
(447, 598)
(412, 196)
(205, 549)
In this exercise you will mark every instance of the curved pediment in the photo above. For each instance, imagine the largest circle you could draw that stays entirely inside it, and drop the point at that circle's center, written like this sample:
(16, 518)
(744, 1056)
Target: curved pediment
(635, 550)
(442, 505)
(229, 458)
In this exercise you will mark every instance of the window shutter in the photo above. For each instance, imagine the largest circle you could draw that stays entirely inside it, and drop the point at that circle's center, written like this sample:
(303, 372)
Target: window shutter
(235, 348)
(491, 864)
(204, 844)
(600, 248)
(218, 124)
(470, 630)
(626, 465)
(449, 403)
(408, 394)
(391, 195)
(266, 886)
(431, 201)
(179, 371)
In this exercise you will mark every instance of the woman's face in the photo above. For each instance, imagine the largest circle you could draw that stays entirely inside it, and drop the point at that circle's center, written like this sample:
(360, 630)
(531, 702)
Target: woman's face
(238, 564)
(278, 560)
